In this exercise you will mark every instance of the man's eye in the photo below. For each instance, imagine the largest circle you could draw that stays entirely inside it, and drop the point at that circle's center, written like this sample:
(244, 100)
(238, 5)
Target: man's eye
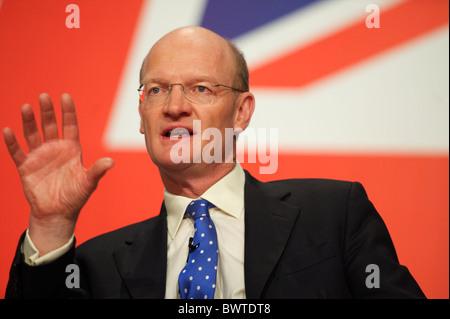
(154, 91)
(202, 89)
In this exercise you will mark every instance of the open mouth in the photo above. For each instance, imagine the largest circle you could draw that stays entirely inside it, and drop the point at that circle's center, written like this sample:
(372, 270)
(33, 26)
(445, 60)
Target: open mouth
(178, 132)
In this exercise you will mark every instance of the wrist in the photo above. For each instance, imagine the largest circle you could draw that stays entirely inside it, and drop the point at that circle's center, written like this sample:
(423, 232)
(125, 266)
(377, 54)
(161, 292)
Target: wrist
(48, 235)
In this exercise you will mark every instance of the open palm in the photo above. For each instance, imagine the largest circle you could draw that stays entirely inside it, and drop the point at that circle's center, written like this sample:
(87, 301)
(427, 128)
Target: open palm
(54, 180)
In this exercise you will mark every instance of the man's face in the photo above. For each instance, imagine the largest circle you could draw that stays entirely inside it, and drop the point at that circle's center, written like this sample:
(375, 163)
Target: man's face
(187, 59)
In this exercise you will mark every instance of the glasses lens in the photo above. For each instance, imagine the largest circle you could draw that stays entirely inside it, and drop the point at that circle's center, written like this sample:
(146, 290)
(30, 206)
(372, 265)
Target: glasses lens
(200, 93)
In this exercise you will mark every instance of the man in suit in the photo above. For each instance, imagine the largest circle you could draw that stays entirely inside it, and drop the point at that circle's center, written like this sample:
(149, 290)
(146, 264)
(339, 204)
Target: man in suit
(282, 239)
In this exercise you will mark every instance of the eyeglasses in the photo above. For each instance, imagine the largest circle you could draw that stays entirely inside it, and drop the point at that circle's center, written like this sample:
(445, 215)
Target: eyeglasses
(199, 93)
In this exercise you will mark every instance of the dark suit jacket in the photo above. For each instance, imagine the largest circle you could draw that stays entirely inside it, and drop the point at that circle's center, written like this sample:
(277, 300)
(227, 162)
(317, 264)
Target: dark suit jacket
(304, 238)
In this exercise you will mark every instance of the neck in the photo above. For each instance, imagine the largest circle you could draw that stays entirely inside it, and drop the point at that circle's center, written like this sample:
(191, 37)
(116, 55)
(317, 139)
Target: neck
(194, 180)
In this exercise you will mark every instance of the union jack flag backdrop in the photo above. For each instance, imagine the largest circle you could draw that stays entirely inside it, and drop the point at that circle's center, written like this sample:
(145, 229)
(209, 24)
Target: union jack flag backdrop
(349, 102)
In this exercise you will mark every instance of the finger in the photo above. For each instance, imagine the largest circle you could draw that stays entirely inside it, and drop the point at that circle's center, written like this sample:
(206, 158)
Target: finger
(15, 150)
(30, 130)
(48, 118)
(99, 168)
(69, 118)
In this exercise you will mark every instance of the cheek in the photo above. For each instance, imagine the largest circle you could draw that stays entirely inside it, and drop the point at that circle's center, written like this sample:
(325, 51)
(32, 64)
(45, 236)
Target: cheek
(149, 130)
(148, 121)
(221, 118)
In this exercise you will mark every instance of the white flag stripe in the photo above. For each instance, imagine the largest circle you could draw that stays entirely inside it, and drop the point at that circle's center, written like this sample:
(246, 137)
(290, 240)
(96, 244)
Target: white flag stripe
(395, 102)
(301, 27)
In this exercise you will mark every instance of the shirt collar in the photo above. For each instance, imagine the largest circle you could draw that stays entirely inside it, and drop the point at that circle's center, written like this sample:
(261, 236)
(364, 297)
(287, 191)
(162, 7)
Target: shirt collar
(227, 194)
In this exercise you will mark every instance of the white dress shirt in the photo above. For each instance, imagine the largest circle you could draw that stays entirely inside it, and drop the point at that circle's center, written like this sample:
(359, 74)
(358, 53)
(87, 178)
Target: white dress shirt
(228, 216)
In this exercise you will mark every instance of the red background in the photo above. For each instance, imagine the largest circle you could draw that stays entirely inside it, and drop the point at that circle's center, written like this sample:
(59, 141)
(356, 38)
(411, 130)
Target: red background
(39, 54)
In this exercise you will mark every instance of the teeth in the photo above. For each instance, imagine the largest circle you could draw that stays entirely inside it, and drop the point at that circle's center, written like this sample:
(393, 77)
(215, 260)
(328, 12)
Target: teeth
(179, 131)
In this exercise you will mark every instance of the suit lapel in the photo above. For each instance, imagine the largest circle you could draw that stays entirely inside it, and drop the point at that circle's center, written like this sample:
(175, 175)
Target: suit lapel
(268, 224)
(142, 259)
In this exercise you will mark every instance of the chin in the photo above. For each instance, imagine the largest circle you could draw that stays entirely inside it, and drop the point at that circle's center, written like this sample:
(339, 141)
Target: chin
(167, 164)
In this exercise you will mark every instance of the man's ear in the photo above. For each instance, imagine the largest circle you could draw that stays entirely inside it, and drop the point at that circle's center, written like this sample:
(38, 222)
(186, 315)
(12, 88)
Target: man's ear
(142, 121)
(244, 111)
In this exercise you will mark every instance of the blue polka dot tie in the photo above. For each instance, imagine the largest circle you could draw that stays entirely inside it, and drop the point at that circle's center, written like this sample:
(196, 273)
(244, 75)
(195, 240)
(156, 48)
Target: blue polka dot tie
(197, 280)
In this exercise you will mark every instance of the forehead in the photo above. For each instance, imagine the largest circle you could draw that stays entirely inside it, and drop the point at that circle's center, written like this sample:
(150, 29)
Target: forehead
(181, 58)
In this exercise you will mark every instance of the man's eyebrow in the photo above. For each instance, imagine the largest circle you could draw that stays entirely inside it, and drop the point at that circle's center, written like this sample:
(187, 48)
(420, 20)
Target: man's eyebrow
(201, 79)
(154, 80)
(193, 80)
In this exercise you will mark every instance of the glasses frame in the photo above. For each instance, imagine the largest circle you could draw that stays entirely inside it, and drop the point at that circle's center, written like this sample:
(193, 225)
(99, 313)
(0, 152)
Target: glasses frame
(141, 89)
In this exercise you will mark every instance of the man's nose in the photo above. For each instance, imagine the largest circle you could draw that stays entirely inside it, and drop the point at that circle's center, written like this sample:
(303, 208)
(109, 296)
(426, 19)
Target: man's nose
(177, 105)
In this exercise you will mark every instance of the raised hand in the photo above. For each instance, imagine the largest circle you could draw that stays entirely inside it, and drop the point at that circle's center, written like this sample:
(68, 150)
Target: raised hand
(54, 180)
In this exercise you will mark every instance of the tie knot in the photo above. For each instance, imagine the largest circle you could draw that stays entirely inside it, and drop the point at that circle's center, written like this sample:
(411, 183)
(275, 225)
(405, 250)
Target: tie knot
(198, 208)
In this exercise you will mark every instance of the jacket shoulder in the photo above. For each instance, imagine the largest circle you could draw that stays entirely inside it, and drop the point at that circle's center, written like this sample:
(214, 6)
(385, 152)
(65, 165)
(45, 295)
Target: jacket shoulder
(115, 238)
(318, 188)
(313, 183)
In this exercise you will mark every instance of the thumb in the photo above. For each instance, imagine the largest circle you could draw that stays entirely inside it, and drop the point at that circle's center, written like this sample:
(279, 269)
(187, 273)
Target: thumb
(99, 168)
